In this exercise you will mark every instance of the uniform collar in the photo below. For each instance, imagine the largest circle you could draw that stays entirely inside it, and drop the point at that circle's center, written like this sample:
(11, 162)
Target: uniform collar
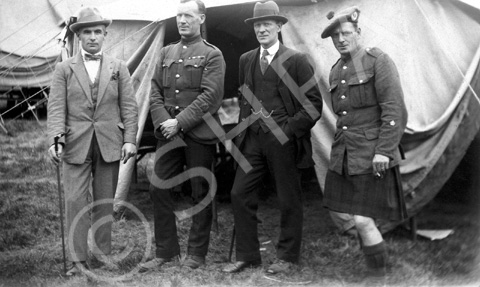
(192, 40)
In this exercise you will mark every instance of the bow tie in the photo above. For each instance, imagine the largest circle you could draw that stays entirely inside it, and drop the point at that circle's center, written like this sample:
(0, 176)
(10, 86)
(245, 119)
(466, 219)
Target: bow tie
(90, 57)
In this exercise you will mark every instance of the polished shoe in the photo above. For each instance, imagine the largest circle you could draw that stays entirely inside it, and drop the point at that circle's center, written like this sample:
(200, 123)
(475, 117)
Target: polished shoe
(279, 266)
(240, 265)
(193, 261)
(75, 268)
(155, 264)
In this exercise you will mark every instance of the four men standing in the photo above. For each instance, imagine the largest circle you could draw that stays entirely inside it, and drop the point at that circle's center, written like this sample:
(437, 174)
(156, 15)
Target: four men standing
(92, 104)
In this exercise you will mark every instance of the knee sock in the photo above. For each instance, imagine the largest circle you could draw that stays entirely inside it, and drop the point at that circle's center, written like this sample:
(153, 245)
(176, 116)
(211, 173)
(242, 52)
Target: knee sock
(376, 256)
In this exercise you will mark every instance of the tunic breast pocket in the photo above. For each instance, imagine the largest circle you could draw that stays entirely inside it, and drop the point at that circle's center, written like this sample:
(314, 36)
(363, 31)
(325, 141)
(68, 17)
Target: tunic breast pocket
(166, 72)
(194, 70)
(362, 91)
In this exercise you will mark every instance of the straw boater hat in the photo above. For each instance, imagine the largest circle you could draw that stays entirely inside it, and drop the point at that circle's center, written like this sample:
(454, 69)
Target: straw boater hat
(349, 14)
(87, 17)
(266, 11)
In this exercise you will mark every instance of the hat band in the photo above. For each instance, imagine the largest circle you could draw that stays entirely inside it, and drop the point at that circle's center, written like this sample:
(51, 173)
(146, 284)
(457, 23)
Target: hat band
(91, 18)
(265, 12)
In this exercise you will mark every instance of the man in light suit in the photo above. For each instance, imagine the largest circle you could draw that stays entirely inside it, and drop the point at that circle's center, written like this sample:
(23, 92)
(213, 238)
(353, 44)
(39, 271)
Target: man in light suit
(92, 104)
(282, 101)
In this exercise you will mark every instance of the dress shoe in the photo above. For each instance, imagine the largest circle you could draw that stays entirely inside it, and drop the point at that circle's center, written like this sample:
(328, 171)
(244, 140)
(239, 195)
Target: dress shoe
(193, 261)
(155, 264)
(280, 266)
(240, 265)
(75, 268)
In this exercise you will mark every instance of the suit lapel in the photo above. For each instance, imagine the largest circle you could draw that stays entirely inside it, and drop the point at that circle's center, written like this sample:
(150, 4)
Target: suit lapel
(251, 67)
(105, 76)
(80, 72)
(281, 62)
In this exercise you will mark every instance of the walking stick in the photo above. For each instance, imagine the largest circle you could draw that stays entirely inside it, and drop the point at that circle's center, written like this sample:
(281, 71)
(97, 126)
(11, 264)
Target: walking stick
(56, 138)
(232, 242)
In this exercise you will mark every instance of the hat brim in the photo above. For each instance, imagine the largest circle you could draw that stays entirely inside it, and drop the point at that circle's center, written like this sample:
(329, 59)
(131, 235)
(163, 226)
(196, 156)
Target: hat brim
(280, 18)
(77, 26)
(329, 29)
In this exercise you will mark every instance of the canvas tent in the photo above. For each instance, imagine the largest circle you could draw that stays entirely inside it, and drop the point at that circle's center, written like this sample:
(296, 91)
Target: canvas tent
(434, 43)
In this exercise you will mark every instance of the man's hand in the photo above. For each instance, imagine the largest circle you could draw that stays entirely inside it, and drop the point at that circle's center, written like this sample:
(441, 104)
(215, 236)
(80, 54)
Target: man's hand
(55, 157)
(380, 165)
(170, 128)
(128, 150)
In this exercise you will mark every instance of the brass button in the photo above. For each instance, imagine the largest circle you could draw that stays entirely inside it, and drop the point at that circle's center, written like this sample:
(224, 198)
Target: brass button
(177, 76)
(344, 113)
(177, 107)
(344, 128)
(180, 60)
(343, 82)
(184, 47)
(344, 67)
(343, 97)
(177, 91)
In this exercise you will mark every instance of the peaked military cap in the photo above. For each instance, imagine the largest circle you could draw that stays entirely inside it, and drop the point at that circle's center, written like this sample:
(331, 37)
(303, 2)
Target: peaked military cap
(349, 14)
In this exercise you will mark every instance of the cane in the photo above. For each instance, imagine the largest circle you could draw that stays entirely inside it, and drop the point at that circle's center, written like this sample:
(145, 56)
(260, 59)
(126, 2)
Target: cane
(56, 138)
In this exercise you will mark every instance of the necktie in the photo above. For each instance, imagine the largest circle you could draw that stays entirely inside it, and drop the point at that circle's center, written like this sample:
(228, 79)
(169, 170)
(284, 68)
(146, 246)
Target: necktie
(264, 61)
(90, 57)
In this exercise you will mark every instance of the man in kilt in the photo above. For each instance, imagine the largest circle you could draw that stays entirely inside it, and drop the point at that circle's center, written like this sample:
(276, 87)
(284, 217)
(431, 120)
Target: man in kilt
(363, 177)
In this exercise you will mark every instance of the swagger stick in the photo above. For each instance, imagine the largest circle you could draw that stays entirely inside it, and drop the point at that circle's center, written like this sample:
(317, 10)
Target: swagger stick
(56, 138)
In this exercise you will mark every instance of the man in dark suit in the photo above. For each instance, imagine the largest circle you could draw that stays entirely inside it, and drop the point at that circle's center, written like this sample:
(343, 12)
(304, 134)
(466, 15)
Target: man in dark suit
(281, 100)
(187, 84)
(363, 177)
(92, 103)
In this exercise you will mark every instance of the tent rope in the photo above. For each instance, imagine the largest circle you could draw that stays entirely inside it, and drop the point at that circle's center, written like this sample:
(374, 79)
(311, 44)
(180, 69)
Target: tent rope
(449, 55)
(15, 32)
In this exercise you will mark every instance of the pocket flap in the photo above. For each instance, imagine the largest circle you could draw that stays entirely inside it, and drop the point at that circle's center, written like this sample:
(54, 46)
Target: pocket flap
(371, 134)
(168, 62)
(333, 86)
(360, 79)
(195, 62)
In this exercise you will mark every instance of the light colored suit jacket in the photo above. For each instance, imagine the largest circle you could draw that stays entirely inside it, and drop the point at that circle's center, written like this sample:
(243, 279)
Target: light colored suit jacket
(114, 120)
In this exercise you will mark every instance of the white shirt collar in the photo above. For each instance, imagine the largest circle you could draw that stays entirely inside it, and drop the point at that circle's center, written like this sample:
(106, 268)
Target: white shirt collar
(272, 50)
(99, 53)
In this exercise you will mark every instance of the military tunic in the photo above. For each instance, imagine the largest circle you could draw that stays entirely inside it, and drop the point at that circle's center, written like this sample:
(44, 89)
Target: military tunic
(187, 84)
(367, 98)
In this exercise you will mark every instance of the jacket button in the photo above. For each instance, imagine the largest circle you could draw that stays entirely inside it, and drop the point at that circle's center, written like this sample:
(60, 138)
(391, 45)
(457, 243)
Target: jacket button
(184, 47)
(344, 67)
(243, 119)
(343, 81)
(177, 107)
(245, 103)
(343, 97)
(344, 128)
(361, 81)
(177, 76)
(344, 113)
(177, 91)
(180, 60)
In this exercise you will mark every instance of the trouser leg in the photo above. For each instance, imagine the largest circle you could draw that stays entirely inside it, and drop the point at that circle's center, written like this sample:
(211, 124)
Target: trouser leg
(169, 161)
(245, 200)
(105, 178)
(201, 156)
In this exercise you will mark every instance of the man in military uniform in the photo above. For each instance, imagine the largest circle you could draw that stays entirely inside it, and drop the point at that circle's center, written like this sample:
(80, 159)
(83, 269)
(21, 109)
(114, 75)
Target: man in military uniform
(280, 116)
(363, 177)
(187, 84)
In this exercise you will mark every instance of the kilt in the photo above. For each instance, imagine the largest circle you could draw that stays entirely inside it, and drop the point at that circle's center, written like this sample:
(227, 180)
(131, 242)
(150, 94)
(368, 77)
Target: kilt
(366, 195)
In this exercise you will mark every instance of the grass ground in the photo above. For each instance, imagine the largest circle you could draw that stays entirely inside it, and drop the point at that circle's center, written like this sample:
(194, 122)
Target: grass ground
(30, 242)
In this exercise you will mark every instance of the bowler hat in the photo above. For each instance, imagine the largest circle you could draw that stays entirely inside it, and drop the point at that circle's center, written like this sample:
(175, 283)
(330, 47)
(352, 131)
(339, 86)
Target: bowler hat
(87, 17)
(349, 14)
(266, 11)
